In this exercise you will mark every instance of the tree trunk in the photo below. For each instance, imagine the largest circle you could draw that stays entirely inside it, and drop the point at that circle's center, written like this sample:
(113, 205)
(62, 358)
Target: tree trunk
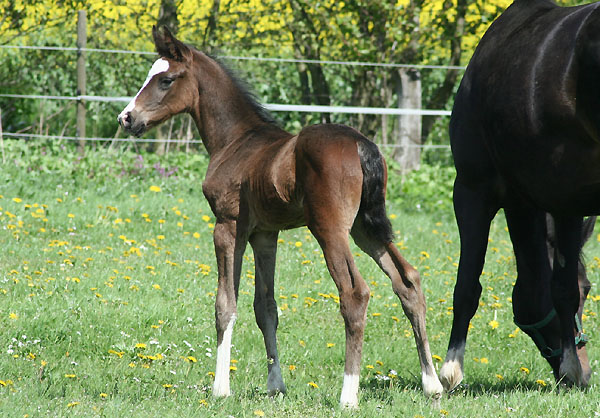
(441, 96)
(211, 26)
(408, 151)
(306, 45)
(167, 16)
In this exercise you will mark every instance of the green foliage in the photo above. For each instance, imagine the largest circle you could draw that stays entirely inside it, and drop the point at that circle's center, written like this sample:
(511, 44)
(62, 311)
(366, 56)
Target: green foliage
(428, 189)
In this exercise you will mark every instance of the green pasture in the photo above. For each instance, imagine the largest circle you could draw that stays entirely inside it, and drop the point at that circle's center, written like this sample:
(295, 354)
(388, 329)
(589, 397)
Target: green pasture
(107, 290)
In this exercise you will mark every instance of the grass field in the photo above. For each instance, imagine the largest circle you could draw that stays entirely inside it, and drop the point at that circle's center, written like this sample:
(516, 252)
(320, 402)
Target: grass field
(107, 289)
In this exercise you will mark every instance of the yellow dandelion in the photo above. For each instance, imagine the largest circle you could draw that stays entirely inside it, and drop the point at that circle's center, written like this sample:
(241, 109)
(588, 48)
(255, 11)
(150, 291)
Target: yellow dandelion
(259, 413)
(541, 382)
(156, 286)
(70, 215)
(484, 360)
(191, 359)
(155, 189)
(70, 376)
(313, 384)
(104, 395)
(298, 244)
(140, 345)
(203, 402)
(493, 324)
(329, 345)
(13, 315)
(116, 353)
(72, 404)
(436, 357)
(525, 370)
(205, 218)
(499, 377)
(292, 367)
(196, 235)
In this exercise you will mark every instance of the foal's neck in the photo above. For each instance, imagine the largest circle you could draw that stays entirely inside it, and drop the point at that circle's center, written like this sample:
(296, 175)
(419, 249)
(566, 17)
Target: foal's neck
(225, 111)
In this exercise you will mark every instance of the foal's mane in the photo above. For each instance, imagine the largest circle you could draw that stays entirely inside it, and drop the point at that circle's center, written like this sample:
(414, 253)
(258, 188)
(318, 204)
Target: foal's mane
(245, 91)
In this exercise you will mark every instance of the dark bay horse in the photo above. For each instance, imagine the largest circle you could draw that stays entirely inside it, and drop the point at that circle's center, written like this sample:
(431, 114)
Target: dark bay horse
(525, 135)
(262, 179)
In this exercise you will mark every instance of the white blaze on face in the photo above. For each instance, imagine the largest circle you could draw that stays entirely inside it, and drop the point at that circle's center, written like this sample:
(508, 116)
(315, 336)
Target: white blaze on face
(161, 65)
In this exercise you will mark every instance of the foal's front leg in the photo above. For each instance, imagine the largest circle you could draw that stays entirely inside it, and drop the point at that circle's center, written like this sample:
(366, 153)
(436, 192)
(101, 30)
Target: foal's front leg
(264, 245)
(229, 249)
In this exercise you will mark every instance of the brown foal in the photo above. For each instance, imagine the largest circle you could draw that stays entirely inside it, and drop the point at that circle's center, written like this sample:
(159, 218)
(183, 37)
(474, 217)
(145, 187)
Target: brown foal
(262, 179)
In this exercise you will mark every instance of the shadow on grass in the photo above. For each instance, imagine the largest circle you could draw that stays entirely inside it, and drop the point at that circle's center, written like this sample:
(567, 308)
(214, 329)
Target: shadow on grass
(380, 388)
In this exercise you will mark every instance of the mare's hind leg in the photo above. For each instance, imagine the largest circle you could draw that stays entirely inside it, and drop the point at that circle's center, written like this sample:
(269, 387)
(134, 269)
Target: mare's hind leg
(474, 209)
(565, 293)
(264, 245)
(532, 299)
(229, 249)
(407, 286)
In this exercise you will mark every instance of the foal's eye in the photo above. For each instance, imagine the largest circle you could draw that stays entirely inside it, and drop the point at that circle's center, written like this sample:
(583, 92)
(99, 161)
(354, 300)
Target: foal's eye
(166, 82)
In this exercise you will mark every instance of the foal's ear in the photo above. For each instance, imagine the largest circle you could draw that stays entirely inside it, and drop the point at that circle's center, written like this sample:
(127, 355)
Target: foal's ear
(168, 46)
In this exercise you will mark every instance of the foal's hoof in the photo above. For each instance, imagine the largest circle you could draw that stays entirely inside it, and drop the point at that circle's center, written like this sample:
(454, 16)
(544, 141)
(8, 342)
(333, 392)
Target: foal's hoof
(220, 392)
(432, 388)
(451, 375)
(349, 403)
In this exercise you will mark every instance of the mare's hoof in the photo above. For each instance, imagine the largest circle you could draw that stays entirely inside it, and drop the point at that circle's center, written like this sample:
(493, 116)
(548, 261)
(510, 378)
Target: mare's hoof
(451, 375)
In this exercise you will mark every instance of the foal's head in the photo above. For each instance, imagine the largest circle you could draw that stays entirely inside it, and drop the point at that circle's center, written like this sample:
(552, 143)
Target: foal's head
(169, 89)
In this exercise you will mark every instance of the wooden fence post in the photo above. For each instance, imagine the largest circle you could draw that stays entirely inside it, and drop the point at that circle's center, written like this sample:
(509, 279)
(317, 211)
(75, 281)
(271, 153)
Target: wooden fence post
(81, 43)
(2, 139)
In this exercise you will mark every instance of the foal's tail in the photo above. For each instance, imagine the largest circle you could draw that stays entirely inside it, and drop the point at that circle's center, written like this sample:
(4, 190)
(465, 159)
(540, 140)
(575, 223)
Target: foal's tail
(372, 204)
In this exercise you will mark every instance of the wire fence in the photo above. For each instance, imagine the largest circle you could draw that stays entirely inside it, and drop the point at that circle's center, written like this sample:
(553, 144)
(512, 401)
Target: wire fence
(268, 106)
(240, 58)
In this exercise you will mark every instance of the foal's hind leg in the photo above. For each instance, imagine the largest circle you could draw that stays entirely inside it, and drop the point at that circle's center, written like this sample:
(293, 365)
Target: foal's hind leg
(407, 286)
(354, 298)
(474, 211)
(264, 245)
(330, 219)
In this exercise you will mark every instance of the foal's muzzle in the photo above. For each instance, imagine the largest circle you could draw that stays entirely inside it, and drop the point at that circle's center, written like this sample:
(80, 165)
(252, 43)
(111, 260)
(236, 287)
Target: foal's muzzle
(127, 121)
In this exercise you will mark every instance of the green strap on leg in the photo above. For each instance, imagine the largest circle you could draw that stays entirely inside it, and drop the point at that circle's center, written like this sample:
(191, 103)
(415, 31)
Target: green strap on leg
(538, 338)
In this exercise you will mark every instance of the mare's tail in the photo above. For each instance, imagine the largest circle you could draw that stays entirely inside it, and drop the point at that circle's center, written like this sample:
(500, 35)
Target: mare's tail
(372, 205)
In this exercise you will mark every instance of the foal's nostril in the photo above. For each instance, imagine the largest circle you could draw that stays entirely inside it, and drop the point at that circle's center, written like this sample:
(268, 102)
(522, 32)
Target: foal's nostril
(125, 120)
